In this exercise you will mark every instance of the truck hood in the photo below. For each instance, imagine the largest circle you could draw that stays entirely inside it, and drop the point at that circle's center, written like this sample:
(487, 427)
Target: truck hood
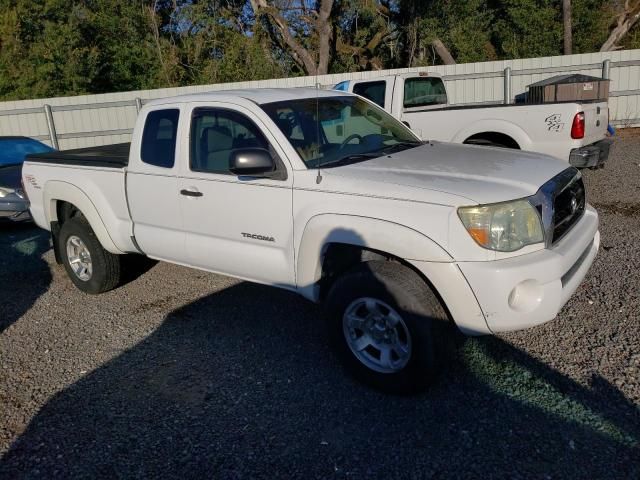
(475, 174)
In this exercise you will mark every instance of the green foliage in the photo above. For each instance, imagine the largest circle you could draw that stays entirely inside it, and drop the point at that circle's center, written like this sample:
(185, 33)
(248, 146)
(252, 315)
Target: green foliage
(48, 47)
(62, 47)
(464, 26)
(528, 28)
(212, 45)
(364, 36)
(590, 20)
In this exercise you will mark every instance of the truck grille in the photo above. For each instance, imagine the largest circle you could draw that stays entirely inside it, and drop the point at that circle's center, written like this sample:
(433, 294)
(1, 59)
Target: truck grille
(568, 207)
(561, 203)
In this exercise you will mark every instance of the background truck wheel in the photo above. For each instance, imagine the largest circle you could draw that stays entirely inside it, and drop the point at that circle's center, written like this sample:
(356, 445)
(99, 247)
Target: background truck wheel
(384, 323)
(91, 268)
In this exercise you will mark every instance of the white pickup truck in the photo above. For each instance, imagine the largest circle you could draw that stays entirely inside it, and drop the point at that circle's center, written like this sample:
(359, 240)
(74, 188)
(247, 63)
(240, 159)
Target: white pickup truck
(325, 194)
(571, 131)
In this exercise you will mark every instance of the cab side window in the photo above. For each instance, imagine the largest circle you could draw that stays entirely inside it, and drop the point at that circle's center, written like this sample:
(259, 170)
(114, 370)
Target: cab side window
(216, 134)
(374, 91)
(159, 138)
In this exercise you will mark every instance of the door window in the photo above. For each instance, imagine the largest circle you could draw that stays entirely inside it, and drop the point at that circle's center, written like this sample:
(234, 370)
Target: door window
(159, 138)
(374, 91)
(423, 91)
(216, 134)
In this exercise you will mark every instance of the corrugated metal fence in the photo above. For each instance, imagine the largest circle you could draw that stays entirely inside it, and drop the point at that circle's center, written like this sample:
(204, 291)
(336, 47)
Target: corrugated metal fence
(90, 120)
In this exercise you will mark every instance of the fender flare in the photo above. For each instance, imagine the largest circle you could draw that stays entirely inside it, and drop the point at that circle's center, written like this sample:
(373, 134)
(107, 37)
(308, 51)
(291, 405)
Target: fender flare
(56, 190)
(383, 235)
(496, 126)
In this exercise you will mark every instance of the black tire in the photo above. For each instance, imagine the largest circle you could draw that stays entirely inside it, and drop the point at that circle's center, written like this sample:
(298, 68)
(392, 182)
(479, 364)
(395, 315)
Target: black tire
(106, 266)
(405, 291)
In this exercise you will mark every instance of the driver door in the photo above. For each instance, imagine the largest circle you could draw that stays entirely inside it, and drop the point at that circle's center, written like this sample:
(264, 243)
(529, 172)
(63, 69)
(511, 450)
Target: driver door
(240, 226)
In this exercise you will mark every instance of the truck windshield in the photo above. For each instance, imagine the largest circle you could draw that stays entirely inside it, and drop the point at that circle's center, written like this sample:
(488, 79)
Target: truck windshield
(332, 131)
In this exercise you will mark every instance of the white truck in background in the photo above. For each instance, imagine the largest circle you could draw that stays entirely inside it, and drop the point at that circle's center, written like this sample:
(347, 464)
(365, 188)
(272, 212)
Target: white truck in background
(571, 131)
(327, 195)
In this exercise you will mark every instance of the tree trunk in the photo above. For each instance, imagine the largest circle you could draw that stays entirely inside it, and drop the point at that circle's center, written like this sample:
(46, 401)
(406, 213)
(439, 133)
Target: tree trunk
(624, 22)
(443, 52)
(325, 34)
(566, 20)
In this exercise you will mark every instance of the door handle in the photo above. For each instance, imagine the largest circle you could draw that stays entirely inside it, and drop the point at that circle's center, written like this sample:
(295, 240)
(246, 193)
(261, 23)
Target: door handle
(190, 193)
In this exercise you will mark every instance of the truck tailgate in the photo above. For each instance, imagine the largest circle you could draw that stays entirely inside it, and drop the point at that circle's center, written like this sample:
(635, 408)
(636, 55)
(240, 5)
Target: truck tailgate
(596, 118)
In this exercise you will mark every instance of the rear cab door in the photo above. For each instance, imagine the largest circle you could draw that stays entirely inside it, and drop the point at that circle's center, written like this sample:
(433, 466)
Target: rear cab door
(236, 225)
(379, 90)
(415, 98)
(407, 97)
(152, 184)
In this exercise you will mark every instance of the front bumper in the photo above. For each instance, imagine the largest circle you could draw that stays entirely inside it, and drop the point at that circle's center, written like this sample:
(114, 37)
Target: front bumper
(590, 156)
(528, 290)
(14, 210)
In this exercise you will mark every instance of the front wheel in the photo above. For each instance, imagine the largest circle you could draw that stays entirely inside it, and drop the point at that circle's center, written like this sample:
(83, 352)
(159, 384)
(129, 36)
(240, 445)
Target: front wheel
(90, 267)
(385, 323)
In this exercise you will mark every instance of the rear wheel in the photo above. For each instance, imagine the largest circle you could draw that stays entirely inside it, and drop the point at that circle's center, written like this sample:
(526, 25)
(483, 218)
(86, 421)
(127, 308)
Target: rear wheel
(385, 324)
(90, 267)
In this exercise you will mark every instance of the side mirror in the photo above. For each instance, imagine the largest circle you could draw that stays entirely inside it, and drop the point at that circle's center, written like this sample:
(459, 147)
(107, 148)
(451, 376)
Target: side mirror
(252, 162)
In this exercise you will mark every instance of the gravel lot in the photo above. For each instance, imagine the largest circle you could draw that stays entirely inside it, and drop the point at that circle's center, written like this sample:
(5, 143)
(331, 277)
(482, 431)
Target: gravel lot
(186, 374)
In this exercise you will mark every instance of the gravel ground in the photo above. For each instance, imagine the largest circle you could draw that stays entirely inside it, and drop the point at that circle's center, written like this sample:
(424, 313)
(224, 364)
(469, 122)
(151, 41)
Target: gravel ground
(180, 374)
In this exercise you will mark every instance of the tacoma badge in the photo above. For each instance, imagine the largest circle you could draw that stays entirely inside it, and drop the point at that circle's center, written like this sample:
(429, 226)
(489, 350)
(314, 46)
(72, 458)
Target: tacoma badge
(258, 237)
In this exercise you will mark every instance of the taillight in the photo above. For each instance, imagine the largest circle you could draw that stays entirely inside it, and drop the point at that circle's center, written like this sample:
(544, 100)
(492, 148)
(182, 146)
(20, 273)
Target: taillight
(577, 128)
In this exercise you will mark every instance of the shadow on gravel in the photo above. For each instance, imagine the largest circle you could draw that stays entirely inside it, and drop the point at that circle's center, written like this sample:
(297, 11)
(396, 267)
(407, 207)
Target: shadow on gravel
(239, 384)
(24, 275)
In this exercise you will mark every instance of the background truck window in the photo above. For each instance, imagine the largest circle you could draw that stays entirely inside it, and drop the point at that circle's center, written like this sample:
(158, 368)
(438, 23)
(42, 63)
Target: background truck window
(159, 138)
(423, 91)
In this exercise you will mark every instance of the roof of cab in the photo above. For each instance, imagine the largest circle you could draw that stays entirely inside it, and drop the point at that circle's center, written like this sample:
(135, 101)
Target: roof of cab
(257, 95)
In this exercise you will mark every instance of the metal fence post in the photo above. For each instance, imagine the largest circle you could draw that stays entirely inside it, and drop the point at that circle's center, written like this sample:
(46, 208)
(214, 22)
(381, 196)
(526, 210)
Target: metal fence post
(138, 105)
(53, 136)
(507, 85)
(606, 65)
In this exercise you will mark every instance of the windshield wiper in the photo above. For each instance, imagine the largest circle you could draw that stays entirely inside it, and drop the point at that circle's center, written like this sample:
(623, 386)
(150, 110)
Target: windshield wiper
(398, 147)
(348, 159)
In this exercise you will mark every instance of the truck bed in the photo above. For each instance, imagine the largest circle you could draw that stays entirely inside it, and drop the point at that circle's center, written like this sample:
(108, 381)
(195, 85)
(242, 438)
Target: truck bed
(109, 156)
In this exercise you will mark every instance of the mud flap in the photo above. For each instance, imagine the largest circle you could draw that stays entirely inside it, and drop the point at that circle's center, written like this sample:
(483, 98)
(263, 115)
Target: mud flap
(55, 233)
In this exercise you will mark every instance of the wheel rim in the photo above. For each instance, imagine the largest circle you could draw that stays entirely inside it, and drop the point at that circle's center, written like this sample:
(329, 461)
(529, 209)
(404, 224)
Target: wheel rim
(79, 258)
(377, 335)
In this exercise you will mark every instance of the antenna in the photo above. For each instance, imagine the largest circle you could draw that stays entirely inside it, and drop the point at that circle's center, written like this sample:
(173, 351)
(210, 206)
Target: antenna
(319, 177)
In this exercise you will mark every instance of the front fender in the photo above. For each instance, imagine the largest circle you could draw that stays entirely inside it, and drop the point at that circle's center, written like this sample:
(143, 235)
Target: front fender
(497, 126)
(392, 238)
(55, 191)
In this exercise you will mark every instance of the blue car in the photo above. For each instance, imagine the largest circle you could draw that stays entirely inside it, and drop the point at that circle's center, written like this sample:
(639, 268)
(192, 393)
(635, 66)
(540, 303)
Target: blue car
(13, 203)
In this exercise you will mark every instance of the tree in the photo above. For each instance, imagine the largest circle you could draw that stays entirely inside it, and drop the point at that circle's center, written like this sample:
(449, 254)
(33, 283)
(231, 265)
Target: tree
(627, 16)
(446, 30)
(48, 48)
(317, 24)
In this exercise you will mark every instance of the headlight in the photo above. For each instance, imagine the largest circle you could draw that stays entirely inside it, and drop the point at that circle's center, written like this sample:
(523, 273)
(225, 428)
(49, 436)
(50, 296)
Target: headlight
(504, 227)
(5, 191)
